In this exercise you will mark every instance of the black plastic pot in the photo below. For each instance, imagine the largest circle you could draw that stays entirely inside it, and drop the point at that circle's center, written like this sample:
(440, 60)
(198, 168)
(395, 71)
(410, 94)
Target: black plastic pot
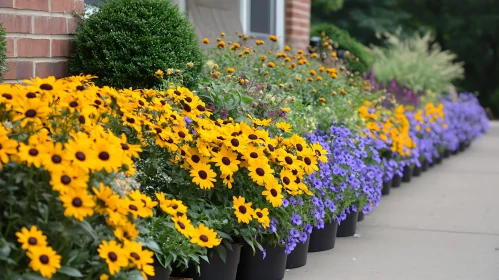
(360, 217)
(425, 165)
(387, 186)
(438, 160)
(462, 146)
(396, 180)
(416, 172)
(348, 226)
(255, 267)
(298, 257)
(323, 239)
(216, 268)
(407, 177)
(446, 153)
(160, 273)
(456, 151)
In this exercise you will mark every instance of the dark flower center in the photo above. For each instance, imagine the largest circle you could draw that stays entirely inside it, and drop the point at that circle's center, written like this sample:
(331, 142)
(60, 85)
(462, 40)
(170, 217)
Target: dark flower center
(1, 146)
(259, 215)
(33, 152)
(226, 160)
(242, 209)
(234, 142)
(187, 108)
(77, 202)
(7, 96)
(175, 206)
(141, 103)
(253, 155)
(307, 160)
(80, 156)
(286, 180)
(188, 99)
(97, 102)
(132, 207)
(158, 130)
(297, 180)
(271, 148)
(294, 172)
(30, 113)
(125, 147)
(163, 102)
(273, 192)
(234, 134)
(130, 120)
(32, 241)
(252, 137)
(80, 88)
(202, 174)
(195, 158)
(56, 159)
(170, 141)
(203, 238)
(73, 104)
(181, 225)
(299, 147)
(177, 92)
(46, 87)
(135, 256)
(173, 116)
(81, 119)
(65, 179)
(112, 256)
(201, 108)
(260, 171)
(104, 156)
(30, 95)
(181, 134)
(288, 160)
(317, 152)
(44, 259)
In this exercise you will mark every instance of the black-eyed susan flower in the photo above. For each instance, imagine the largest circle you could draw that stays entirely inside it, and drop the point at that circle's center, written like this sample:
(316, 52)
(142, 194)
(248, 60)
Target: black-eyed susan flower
(49, 85)
(183, 225)
(309, 162)
(287, 180)
(114, 255)
(298, 79)
(71, 176)
(31, 238)
(322, 99)
(7, 147)
(54, 157)
(318, 78)
(147, 203)
(287, 48)
(320, 152)
(159, 73)
(206, 40)
(31, 154)
(285, 109)
(227, 180)
(273, 38)
(262, 216)
(78, 150)
(221, 44)
(260, 171)
(242, 210)
(300, 52)
(205, 237)
(108, 154)
(259, 42)
(334, 54)
(172, 207)
(44, 260)
(226, 159)
(203, 176)
(287, 160)
(142, 259)
(286, 127)
(77, 203)
(106, 199)
(273, 193)
(34, 111)
(343, 91)
(230, 70)
(271, 64)
(312, 72)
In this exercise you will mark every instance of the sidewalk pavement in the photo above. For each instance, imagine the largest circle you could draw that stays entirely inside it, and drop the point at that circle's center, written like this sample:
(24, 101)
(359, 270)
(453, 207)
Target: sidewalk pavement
(443, 225)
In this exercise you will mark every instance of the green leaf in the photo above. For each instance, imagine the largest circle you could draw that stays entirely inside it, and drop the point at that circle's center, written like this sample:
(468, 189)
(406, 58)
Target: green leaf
(222, 252)
(205, 258)
(69, 271)
(151, 244)
(88, 228)
(5, 251)
(30, 276)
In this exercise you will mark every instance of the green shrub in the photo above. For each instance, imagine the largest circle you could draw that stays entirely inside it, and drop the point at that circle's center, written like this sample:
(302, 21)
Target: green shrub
(126, 41)
(417, 63)
(3, 50)
(346, 42)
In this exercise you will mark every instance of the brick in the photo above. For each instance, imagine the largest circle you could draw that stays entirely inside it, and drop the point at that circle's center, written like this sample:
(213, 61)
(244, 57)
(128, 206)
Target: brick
(79, 6)
(57, 69)
(33, 48)
(61, 48)
(10, 48)
(16, 23)
(295, 31)
(10, 74)
(19, 70)
(39, 5)
(62, 6)
(6, 3)
(50, 25)
(72, 25)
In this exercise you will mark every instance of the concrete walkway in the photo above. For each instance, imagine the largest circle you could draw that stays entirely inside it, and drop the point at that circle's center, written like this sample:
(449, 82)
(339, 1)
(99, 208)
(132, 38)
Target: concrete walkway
(443, 225)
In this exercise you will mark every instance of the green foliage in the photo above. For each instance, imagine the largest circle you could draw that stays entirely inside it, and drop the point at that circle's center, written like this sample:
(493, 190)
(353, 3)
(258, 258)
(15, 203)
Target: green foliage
(417, 63)
(328, 5)
(126, 41)
(3, 50)
(346, 42)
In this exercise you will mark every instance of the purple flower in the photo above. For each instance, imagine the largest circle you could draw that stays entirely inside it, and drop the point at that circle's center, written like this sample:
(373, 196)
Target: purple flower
(296, 219)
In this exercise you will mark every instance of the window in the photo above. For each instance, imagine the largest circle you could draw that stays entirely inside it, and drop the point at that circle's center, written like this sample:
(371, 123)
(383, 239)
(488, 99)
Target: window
(263, 18)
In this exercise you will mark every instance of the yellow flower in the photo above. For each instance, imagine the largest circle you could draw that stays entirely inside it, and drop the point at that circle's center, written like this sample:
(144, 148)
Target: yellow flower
(205, 237)
(44, 260)
(263, 58)
(285, 109)
(221, 45)
(300, 52)
(312, 72)
(273, 193)
(260, 171)
(242, 210)
(314, 90)
(222, 34)
(313, 55)
(230, 70)
(273, 38)
(343, 91)
(7, 147)
(334, 54)
(283, 126)
(322, 99)
(147, 203)
(203, 176)
(259, 42)
(226, 159)
(287, 48)
(262, 215)
(298, 79)
(77, 203)
(31, 238)
(142, 259)
(206, 40)
(32, 154)
(183, 225)
(116, 258)
(271, 64)
(159, 74)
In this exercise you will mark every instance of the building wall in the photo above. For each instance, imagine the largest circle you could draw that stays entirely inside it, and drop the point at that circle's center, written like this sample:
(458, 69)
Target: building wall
(39, 36)
(298, 23)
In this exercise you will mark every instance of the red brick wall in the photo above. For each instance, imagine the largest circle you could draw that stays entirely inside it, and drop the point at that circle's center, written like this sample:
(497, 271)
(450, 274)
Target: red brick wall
(39, 36)
(298, 23)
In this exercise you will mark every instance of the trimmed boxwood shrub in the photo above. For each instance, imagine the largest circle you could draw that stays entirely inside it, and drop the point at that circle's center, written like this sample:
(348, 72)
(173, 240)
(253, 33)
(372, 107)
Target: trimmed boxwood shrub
(3, 50)
(346, 42)
(126, 41)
